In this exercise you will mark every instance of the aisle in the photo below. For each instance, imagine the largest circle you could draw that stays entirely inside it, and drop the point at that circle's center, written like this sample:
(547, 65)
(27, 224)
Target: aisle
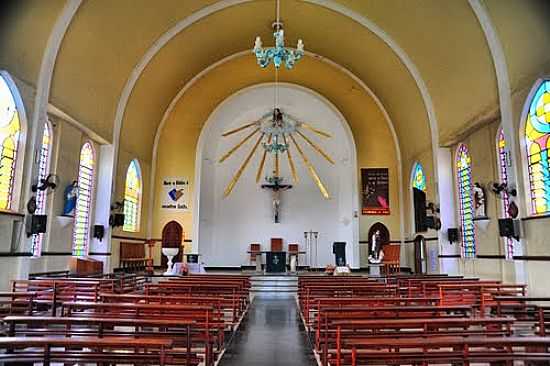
(270, 337)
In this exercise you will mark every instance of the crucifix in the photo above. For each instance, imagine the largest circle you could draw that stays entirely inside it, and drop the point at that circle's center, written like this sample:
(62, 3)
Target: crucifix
(276, 188)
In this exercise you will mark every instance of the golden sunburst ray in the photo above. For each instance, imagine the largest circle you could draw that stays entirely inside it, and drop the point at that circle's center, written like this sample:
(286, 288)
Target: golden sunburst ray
(236, 147)
(316, 147)
(262, 161)
(239, 172)
(311, 170)
(316, 130)
(238, 129)
(290, 161)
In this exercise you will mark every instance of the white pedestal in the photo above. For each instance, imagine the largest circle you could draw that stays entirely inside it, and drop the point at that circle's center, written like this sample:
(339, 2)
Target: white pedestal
(293, 260)
(170, 253)
(259, 262)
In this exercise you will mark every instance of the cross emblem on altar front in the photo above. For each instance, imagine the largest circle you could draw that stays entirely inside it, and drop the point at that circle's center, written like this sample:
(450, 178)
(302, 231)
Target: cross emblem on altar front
(275, 260)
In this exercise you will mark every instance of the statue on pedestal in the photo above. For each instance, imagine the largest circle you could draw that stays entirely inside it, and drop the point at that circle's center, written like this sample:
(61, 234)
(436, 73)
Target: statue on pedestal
(70, 195)
(376, 254)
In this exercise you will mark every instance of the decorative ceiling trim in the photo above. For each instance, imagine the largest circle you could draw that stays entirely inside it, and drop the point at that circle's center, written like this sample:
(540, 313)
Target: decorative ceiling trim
(329, 4)
(328, 61)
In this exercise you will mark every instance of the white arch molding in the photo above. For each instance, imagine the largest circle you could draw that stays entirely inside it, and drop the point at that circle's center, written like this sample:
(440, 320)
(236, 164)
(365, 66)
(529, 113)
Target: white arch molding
(353, 167)
(348, 73)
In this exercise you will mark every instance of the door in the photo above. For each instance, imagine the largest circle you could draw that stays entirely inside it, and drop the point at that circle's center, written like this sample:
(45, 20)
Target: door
(172, 235)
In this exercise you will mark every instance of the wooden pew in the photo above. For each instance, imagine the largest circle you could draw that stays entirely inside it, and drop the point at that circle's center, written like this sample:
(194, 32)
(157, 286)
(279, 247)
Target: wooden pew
(442, 350)
(143, 351)
(183, 334)
(342, 332)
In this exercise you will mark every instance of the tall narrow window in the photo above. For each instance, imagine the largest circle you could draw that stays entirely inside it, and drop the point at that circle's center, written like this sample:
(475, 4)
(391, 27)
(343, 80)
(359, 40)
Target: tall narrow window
(10, 130)
(537, 133)
(81, 232)
(505, 198)
(132, 197)
(43, 166)
(465, 198)
(419, 179)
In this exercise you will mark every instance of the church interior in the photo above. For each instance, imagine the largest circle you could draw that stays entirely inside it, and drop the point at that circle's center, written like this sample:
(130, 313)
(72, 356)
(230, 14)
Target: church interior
(274, 182)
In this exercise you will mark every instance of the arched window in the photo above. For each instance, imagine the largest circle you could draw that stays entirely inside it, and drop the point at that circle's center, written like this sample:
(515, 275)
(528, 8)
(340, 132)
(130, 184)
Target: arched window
(81, 232)
(503, 178)
(10, 130)
(43, 167)
(465, 198)
(537, 133)
(418, 177)
(132, 197)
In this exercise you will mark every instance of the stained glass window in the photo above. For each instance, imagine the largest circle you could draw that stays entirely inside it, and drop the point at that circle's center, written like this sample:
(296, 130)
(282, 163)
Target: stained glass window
(419, 179)
(132, 197)
(465, 199)
(503, 177)
(81, 231)
(537, 133)
(43, 165)
(10, 129)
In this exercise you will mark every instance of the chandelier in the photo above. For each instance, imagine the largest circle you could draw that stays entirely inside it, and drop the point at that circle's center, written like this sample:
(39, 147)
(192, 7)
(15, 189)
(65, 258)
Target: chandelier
(279, 53)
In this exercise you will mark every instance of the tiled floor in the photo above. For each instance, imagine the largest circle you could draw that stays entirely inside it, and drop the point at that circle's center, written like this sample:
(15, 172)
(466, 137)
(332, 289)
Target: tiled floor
(270, 337)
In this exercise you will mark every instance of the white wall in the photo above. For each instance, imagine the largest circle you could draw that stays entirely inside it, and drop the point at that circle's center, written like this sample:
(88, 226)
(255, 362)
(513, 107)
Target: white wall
(228, 225)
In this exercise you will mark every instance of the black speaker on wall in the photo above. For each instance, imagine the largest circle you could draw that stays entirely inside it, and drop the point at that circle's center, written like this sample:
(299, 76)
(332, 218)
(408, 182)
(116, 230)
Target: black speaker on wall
(508, 228)
(452, 234)
(99, 232)
(36, 224)
(420, 217)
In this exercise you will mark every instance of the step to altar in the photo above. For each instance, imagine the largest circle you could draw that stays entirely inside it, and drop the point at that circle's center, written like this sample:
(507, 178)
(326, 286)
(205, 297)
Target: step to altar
(274, 284)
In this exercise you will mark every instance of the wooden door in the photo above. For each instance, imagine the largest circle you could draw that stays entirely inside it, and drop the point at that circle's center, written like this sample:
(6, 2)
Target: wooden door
(172, 235)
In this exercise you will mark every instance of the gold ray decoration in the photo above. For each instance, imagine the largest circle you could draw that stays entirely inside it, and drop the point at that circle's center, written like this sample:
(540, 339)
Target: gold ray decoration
(236, 147)
(311, 170)
(262, 161)
(242, 168)
(230, 132)
(291, 162)
(317, 148)
(316, 130)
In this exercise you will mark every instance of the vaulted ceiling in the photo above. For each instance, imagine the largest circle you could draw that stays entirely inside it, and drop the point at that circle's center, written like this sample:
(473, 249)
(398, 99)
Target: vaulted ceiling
(441, 41)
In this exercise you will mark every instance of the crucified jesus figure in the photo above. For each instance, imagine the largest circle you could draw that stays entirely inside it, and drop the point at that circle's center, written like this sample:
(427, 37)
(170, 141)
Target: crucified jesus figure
(276, 189)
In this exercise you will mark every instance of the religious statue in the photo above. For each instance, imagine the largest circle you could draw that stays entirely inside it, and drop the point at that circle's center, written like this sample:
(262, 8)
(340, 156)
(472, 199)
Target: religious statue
(480, 201)
(70, 194)
(376, 254)
(276, 188)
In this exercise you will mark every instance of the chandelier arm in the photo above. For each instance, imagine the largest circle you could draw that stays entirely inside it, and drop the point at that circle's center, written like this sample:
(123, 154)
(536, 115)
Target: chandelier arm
(262, 161)
(311, 170)
(316, 147)
(290, 161)
(315, 130)
(236, 147)
(238, 129)
(239, 172)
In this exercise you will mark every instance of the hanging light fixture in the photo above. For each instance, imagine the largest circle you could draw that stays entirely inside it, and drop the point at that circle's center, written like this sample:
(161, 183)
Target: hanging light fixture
(279, 53)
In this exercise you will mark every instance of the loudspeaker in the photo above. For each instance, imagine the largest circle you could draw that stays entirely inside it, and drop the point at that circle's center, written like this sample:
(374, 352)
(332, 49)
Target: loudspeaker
(452, 234)
(99, 232)
(116, 220)
(508, 228)
(339, 250)
(36, 224)
(419, 198)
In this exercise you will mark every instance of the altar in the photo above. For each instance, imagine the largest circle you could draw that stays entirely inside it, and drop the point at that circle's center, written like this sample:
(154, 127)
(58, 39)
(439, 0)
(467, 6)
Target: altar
(275, 262)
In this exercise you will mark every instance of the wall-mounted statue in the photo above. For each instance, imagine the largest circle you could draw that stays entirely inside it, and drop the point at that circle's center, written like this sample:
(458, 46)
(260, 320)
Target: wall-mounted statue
(70, 194)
